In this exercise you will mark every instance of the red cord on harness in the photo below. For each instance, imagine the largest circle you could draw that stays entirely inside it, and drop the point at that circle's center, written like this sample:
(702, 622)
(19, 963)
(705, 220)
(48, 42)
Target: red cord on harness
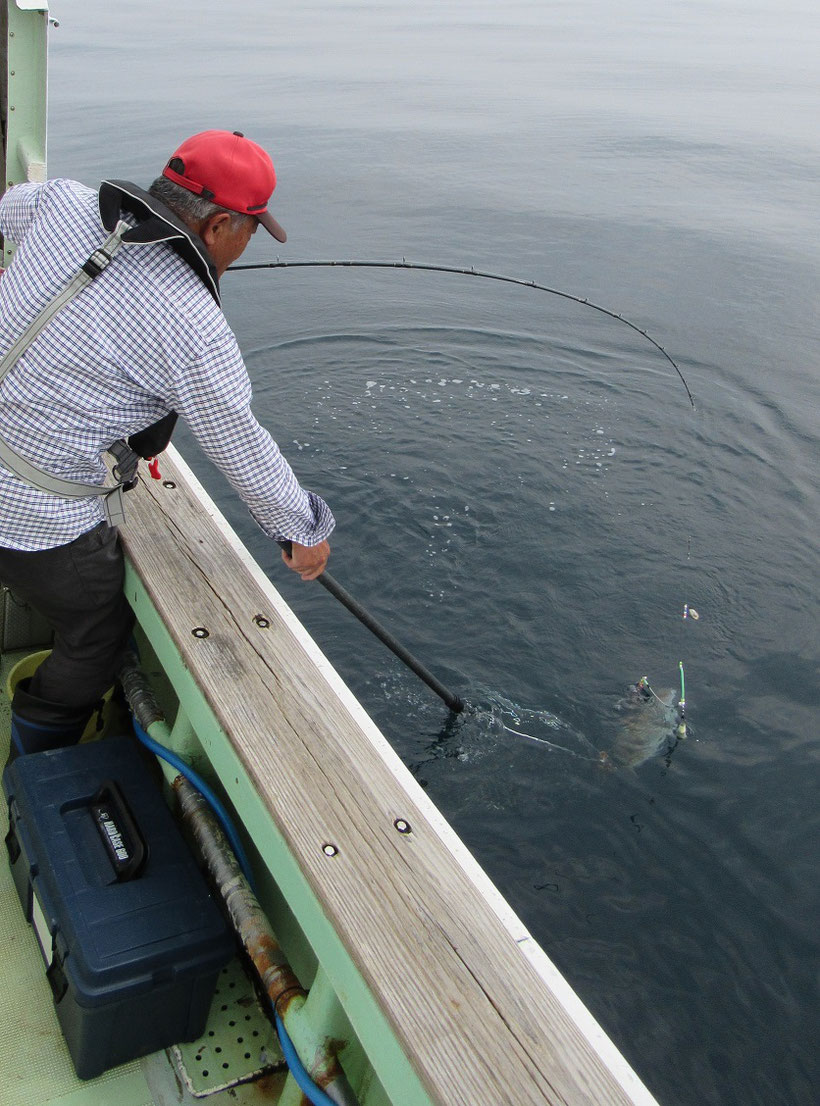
(153, 467)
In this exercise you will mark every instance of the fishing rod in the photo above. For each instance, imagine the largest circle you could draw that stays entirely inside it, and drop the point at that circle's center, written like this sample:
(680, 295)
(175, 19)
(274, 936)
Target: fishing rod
(453, 701)
(332, 585)
(403, 264)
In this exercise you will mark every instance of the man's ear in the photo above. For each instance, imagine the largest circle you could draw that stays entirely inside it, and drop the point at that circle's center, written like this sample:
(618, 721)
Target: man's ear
(214, 227)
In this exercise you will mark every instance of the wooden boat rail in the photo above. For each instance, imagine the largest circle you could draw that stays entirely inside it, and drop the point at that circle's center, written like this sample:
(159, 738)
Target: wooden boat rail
(372, 895)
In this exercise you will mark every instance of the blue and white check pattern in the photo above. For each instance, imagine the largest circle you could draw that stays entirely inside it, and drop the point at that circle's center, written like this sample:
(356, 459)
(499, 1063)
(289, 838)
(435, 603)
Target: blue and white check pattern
(145, 338)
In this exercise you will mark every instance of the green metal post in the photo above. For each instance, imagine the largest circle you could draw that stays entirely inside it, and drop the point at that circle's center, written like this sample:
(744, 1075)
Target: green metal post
(184, 741)
(25, 102)
(318, 1020)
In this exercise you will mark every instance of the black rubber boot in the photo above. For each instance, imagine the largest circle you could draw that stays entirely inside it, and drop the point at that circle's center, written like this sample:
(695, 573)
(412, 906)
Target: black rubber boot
(37, 724)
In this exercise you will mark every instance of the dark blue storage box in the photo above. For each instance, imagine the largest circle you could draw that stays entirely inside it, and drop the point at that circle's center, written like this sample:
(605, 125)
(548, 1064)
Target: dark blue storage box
(132, 937)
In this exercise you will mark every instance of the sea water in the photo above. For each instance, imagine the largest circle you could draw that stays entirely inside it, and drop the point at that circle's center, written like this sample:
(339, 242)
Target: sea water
(524, 494)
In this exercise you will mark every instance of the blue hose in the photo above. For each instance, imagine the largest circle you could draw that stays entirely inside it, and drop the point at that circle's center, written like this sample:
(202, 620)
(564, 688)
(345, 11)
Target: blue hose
(204, 790)
(306, 1085)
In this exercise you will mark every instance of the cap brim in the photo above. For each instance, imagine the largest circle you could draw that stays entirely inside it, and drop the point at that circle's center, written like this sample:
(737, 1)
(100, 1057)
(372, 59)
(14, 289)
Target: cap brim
(271, 226)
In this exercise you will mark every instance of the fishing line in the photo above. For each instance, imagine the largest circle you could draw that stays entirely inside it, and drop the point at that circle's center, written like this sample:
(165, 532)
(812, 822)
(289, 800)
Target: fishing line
(403, 264)
(534, 737)
(643, 685)
(543, 741)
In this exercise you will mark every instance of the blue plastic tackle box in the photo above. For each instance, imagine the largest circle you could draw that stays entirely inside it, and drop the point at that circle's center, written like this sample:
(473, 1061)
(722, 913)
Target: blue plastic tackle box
(131, 935)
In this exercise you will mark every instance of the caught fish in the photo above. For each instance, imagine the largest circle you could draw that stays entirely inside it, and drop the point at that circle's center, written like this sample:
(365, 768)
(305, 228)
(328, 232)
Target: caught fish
(649, 722)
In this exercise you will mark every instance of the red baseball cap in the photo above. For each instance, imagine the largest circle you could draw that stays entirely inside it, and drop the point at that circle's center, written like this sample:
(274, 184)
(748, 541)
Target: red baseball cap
(229, 170)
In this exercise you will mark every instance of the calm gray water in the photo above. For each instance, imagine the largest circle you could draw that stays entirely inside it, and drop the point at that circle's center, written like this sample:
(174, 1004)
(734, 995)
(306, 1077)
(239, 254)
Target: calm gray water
(524, 494)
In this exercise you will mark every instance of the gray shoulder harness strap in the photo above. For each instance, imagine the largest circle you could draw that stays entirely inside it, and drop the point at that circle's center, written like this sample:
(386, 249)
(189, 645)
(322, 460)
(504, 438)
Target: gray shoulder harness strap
(36, 477)
(155, 223)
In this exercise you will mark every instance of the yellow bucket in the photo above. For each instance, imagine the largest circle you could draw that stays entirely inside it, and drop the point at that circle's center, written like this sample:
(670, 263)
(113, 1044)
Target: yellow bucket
(23, 669)
(28, 666)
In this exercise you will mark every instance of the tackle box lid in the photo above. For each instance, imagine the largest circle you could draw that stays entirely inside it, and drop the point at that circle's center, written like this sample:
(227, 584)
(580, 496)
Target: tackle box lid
(112, 935)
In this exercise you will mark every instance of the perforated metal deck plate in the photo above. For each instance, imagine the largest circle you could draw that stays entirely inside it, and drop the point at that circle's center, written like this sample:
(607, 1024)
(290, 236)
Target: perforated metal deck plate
(239, 1042)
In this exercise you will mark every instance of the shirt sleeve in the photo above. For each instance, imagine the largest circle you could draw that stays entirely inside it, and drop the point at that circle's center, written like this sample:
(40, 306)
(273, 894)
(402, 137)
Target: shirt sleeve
(17, 210)
(213, 395)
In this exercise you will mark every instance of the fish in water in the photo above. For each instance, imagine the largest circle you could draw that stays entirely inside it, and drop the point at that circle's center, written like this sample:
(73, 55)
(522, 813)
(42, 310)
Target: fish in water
(648, 724)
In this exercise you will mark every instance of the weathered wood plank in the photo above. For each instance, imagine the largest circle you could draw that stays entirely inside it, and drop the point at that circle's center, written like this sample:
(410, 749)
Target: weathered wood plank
(477, 1019)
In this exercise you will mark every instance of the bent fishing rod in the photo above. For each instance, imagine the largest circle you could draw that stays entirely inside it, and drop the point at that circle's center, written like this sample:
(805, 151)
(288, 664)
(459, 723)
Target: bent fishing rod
(455, 270)
(453, 701)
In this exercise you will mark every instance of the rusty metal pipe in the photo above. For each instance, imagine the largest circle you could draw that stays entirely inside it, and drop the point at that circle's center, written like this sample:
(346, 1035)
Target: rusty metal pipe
(251, 925)
(249, 921)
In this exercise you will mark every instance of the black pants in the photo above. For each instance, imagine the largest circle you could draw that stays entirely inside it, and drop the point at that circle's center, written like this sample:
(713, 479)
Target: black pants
(78, 588)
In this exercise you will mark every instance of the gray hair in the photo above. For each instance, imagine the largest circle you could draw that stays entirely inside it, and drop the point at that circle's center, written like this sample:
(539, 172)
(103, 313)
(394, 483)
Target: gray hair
(193, 210)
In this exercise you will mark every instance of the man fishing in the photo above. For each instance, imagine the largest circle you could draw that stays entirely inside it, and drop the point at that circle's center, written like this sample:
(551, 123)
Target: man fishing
(111, 326)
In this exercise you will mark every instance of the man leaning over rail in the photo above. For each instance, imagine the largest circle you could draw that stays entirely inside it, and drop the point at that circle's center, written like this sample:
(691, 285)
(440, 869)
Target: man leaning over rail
(105, 340)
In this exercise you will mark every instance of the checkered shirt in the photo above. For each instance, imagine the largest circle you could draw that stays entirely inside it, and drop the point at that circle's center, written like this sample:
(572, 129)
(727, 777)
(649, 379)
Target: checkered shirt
(144, 338)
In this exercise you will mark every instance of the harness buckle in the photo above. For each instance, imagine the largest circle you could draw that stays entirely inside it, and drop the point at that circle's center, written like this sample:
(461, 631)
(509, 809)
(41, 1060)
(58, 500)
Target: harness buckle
(113, 506)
